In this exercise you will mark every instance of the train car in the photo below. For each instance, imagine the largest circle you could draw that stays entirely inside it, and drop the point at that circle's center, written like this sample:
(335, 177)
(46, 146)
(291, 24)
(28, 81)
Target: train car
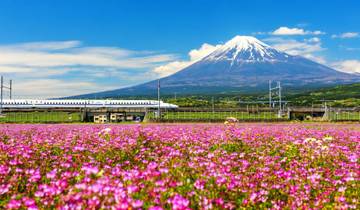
(33, 103)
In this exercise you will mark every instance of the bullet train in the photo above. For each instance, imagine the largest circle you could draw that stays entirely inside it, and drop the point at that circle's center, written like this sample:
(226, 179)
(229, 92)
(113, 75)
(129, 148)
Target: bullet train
(33, 103)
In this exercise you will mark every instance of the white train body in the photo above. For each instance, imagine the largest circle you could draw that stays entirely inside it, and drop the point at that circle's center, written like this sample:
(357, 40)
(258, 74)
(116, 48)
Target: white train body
(33, 103)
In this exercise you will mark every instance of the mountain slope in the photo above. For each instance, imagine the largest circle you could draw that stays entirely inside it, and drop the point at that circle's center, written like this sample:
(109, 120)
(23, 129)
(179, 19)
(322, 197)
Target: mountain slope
(243, 64)
(340, 95)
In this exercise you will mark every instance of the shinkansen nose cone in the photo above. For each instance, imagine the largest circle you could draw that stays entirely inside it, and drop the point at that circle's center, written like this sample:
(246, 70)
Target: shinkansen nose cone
(168, 106)
(173, 106)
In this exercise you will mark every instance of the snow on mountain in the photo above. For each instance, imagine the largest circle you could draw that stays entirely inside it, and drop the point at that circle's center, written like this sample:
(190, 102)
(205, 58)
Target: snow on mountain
(246, 49)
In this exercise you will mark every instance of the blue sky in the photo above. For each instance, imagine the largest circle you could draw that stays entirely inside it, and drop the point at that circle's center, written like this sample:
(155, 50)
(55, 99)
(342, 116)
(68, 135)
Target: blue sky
(59, 47)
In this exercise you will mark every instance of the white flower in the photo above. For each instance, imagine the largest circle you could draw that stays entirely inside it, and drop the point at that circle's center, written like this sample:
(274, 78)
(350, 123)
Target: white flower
(105, 131)
(310, 140)
(324, 148)
(328, 138)
(342, 189)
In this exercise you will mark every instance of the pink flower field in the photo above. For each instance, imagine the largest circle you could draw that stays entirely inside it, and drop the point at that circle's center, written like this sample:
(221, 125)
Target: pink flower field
(184, 166)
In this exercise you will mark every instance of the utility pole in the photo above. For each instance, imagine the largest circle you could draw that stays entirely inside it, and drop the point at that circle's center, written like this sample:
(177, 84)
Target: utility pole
(280, 102)
(10, 89)
(278, 88)
(2, 86)
(212, 104)
(1, 100)
(269, 93)
(159, 114)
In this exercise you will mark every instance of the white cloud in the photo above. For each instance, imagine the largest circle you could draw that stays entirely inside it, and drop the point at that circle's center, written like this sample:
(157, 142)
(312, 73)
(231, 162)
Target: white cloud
(318, 59)
(346, 35)
(194, 55)
(171, 68)
(310, 48)
(281, 31)
(288, 31)
(75, 57)
(53, 64)
(307, 48)
(314, 40)
(41, 46)
(296, 47)
(60, 87)
(348, 66)
(316, 32)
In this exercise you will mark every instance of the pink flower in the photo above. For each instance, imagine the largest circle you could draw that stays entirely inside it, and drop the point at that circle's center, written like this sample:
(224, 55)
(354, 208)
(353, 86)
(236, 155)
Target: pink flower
(179, 202)
(4, 188)
(137, 204)
(51, 174)
(90, 170)
(155, 208)
(14, 204)
(199, 184)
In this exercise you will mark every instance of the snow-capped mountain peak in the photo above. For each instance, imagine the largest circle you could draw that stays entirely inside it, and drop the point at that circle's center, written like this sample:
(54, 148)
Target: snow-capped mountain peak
(244, 49)
(245, 42)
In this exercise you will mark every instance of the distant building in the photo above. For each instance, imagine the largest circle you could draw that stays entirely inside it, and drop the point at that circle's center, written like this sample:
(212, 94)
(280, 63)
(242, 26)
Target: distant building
(100, 118)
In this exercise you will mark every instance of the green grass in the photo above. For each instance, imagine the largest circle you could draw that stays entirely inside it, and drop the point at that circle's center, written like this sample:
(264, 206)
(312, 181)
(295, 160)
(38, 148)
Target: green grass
(60, 117)
(208, 116)
(246, 116)
(40, 117)
(339, 96)
(344, 116)
(343, 96)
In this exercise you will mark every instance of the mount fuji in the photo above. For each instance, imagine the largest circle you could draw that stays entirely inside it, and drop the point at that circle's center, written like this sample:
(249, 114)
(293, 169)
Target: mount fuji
(243, 64)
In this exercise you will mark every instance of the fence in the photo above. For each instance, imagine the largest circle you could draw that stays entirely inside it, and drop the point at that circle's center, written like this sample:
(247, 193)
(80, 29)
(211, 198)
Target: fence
(259, 115)
(188, 115)
(182, 115)
(343, 115)
(40, 117)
